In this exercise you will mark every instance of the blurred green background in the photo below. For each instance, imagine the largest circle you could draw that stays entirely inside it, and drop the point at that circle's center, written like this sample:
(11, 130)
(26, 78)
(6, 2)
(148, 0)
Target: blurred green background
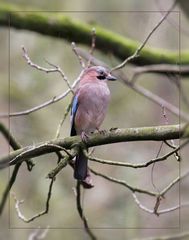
(110, 208)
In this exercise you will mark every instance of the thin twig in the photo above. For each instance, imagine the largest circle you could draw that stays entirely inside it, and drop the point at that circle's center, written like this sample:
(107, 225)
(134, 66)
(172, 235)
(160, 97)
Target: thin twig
(63, 163)
(166, 69)
(81, 214)
(171, 184)
(163, 211)
(63, 119)
(137, 165)
(43, 105)
(125, 184)
(62, 74)
(93, 59)
(93, 42)
(43, 69)
(49, 102)
(175, 79)
(45, 211)
(139, 89)
(176, 154)
(9, 137)
(153, 97)
(82, 63)
(153, 166)
(139, 49)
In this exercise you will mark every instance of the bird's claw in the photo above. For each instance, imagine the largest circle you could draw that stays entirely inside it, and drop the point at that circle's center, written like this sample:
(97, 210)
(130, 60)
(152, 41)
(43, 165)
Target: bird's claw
(103, 132)
(84, 137)
(113, 128)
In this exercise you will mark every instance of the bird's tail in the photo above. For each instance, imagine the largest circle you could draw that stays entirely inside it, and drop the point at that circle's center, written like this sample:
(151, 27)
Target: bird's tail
(80, 170)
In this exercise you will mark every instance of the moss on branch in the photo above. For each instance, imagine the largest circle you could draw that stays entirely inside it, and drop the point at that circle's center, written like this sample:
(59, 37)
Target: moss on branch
(60, 26)
(158, 133)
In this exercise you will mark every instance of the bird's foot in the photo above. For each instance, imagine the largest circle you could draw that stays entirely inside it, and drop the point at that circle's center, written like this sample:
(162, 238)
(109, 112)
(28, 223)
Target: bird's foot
(103, 132)
(113, 129)
(84, 137)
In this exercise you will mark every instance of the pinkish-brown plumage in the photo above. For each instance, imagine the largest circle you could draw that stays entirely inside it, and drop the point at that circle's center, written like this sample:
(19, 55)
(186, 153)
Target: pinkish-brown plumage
(89, 108)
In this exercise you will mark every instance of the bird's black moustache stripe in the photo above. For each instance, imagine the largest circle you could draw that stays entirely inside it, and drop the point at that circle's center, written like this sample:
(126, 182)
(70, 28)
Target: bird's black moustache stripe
(101, 77)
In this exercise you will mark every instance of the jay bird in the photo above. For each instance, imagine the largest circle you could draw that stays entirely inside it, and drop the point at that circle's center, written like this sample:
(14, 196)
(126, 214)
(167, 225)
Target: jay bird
(88, 111)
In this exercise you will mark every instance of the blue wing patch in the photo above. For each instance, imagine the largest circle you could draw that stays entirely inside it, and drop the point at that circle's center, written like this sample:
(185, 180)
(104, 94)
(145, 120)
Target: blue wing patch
(73, 113)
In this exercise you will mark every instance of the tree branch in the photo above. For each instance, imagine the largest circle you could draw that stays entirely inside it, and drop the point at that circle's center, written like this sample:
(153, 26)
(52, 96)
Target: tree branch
(45, 211)
(138, 165)
(159, 133)
(60, 26)
(154, 98)
(81, 214)
(140, 48)
(15, 145)
(9, 137)
(125, 184)
(139, 89)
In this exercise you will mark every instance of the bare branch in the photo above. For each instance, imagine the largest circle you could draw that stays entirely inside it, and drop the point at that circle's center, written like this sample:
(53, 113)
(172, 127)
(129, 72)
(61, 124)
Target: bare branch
(9, 137)
(63, 119)
(62, 74)
(93, 42)
(82, 63)
(139, 49)
(137, 88)
(15, 145)
(93, 59)
(62, 163)
(161, 69)
(81, 214)
(117, 135)
(47, 70)
(45, 104)
(153, 97)
(138, 165)
(183, 96)
(175, 181)
(159, 133)
(9, 186)
(176, 154)
(125, 184)
(45, 211)
(163, 211)
(55, 98)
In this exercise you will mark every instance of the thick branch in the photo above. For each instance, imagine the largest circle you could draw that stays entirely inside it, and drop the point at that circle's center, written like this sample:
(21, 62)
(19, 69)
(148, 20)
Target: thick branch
(159, 133)
(60, 26)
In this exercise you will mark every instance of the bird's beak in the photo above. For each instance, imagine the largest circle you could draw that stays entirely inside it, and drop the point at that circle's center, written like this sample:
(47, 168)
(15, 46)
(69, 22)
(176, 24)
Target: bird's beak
(111, 78)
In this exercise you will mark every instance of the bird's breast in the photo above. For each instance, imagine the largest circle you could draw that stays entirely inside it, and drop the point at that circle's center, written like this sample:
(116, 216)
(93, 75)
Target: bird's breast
(95, 98)
(93, 104)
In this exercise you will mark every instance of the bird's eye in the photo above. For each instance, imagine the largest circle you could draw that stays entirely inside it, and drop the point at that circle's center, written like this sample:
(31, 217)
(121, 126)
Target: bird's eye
(101, 75)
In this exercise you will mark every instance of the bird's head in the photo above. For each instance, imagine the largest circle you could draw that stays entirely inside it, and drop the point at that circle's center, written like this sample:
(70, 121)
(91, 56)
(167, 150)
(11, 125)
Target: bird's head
(97, 73)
